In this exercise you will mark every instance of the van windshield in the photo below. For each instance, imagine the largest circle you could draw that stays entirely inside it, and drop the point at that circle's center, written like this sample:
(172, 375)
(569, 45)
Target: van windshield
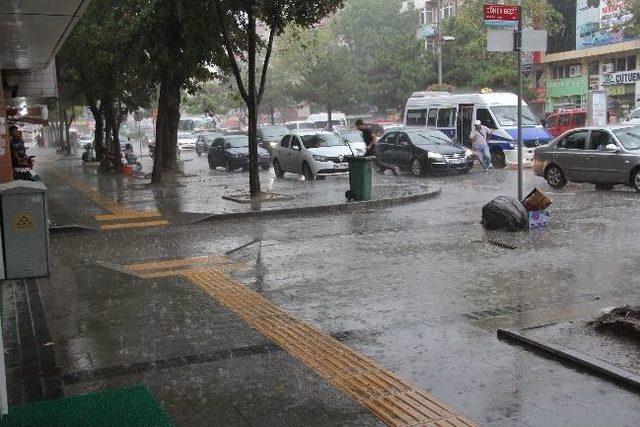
(507, 115)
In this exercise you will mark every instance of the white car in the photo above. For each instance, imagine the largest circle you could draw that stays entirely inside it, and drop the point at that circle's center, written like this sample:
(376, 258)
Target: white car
(634, 117)
(355, 140)
(312, 154)
(299, 125)
(187, 140)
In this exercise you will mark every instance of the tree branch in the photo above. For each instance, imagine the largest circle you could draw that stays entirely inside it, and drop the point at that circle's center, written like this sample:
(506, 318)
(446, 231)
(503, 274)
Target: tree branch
(265, 65)
(232, 57)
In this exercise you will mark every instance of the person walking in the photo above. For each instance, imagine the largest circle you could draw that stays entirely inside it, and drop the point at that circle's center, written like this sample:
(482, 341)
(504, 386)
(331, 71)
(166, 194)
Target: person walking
(17, 147)
(370, 139)
(479, 137)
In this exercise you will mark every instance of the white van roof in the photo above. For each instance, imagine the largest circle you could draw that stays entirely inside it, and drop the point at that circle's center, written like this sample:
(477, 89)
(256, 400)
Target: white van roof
(427, 99)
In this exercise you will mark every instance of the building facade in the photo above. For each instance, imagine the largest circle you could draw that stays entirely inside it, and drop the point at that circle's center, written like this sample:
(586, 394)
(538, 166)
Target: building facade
(594, 51)
(432, 13)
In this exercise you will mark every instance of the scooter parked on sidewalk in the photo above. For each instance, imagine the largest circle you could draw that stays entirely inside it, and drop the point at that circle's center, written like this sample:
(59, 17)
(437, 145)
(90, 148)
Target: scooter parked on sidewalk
(88, 158)
(130, 158)
(25, 172)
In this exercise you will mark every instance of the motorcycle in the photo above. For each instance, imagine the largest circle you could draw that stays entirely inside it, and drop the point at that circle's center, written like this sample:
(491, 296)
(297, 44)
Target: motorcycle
(87, 155)
(26, 172)
(131, 160)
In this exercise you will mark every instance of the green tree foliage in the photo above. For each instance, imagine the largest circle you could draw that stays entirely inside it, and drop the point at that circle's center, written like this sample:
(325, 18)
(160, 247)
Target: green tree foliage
(213, 98)
(180, 40)
(273, 16)
(100, 61)
(466, 60)
(386, 57)
(321, 61)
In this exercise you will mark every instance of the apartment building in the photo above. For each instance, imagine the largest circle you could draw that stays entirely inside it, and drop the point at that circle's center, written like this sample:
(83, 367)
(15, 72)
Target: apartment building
(595, 51)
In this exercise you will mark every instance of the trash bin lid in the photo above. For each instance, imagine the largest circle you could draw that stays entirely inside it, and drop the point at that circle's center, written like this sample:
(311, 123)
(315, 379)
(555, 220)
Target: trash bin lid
(22, 187)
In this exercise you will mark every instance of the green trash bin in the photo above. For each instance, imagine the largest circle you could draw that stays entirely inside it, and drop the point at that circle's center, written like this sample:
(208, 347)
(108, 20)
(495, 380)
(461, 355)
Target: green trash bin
(359, 178)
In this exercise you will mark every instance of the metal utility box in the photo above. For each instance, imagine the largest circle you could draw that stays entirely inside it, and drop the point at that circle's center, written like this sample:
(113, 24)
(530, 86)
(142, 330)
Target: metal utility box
(25, 231)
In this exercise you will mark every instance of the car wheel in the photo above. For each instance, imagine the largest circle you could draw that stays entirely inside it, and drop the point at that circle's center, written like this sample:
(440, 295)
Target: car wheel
(498, 160)
(635, 180)
(604, 187)
(417, 168)
(277, 169)
(211, 165)
(306, 171)
(555, 177)
(228, 166)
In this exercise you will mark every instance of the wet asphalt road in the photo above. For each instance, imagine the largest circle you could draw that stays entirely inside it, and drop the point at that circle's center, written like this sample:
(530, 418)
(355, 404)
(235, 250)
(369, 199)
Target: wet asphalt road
(414, 287)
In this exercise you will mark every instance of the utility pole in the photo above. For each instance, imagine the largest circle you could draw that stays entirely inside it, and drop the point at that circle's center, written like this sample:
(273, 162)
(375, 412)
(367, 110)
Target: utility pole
(518, 47)
(439, 40)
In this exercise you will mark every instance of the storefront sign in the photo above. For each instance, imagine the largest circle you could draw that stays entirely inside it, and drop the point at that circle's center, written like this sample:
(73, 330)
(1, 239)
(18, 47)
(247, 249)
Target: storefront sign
(621, 78)
(615, 90)
(497, 15)
(567, 87)
(601, 23)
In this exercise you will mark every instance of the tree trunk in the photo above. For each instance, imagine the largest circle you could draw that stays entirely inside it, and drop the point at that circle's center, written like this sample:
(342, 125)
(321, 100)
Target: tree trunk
(167, 124)
(98, 136)
(112, 137)
(329, 117)
(252, 105)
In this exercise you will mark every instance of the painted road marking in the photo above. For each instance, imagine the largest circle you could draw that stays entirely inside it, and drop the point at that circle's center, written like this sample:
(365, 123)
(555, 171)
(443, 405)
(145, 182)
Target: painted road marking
(389, 397)
(120, 217)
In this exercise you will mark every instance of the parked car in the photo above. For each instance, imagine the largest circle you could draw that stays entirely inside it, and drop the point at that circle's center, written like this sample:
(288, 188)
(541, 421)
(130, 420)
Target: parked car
(205, 140)
(270, 136)
(559, 123)
(633, 117)
(312, 154)
(355, 140)
(186, 141)
(422, 151)
(605, 156)
(300, 125)
(232, 152)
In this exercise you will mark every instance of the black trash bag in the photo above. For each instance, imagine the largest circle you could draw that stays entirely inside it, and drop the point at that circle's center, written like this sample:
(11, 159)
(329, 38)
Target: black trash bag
(505, 213)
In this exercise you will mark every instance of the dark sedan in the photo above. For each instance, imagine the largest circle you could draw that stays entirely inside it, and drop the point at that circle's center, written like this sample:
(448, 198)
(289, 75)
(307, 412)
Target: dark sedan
(205, 140)
(232, 152)
(270, 136)
(421, 151)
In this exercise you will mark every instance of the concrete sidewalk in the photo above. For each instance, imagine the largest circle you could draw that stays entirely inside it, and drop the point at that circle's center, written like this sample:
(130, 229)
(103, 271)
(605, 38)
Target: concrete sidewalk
(198, 192)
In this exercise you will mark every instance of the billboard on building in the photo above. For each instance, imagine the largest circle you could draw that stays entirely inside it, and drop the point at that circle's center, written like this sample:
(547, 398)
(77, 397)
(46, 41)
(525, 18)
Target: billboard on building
(601, 22)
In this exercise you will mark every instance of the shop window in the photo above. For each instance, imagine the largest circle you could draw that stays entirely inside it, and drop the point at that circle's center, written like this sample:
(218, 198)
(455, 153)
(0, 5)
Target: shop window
(594, 68)
(621, 64)
(631, 62)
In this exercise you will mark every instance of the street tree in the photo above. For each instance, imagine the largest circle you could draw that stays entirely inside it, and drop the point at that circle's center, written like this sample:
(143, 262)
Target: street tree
(325, 78)
(466, 60)
(100, 61)
(389, 61)
(180, 40)
(213, 98)
(253, 18)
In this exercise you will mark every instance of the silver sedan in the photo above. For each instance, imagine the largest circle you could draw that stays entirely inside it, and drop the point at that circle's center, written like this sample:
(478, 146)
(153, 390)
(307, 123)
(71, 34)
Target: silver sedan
(604, 156)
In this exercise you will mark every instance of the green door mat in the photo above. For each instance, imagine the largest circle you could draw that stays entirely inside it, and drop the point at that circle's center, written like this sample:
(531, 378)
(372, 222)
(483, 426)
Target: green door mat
(129, 406)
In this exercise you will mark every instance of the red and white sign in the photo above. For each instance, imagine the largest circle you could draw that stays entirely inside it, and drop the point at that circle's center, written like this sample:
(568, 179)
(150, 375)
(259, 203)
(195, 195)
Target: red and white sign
(498, 12)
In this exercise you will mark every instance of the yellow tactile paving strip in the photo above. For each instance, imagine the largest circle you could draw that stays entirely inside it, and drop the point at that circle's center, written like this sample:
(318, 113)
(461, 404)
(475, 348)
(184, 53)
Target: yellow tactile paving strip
(392, 399)
(120, 217)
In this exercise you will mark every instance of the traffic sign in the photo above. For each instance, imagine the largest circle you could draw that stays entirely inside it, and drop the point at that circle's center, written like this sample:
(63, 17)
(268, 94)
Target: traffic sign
(498, 15)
